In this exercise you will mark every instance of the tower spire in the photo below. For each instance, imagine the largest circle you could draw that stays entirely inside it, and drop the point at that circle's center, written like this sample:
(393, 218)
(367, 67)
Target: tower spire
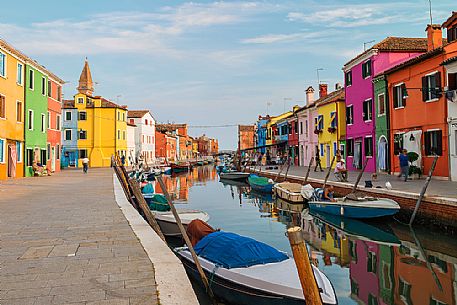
(86, 85)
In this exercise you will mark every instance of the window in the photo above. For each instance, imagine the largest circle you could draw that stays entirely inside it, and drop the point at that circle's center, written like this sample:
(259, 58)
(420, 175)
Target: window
(306, 127)
(342, 151)
(29, 155)
(433, 143)
(123, 117)
(31, 79)
(372, 300)
(20, 77)
(132, 121)
(335, 148)
(431, 87)
(434, 301)
(405, 291)
(59, 93)
(49, 88)
(2, 64)
(123, 135)
(48, 152)
(399, 93)
(2, 107)
(67, 115)
(146, 122)
(30, 122)
(43, 122)
(451, 34)
(19, 151)
(82, 134)
(348, 78)
(333, 120)
(381, 104)
(82, 116)
(398, 143)
(322, 150)
(49, 120)
(118, 116)
(2, 151)
(57, 122)
(368, 143)
(118, 134)
(354, 287)
(82, 153)
(319, 122)
(296, 127)
(43, 86)
(80, 100)
(67, 135)
(301, 127)
(350, 115)
(19, 111)
(367, 110)
(350, 147)
(371, 263)
(366, 69)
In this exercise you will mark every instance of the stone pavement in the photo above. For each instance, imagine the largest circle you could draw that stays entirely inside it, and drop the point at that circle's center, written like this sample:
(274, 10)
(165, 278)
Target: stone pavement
(436, 188)
(64, 240)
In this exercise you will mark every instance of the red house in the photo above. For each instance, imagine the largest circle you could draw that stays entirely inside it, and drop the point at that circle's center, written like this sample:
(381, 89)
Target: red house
(54, 123)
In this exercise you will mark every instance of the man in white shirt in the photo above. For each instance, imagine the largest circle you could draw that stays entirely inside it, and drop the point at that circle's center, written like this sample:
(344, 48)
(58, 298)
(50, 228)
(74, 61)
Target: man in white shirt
(341, 172)
(85, 165)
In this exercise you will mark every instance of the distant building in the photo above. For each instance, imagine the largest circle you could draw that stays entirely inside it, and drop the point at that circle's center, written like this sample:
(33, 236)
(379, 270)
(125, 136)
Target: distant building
(246, 136)
(261, 138)
(131, 145)
(98, 125)
(307, 139)
(145, 142)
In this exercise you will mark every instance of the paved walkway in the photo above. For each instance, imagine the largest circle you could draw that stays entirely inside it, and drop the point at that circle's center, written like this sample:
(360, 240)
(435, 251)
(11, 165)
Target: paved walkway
(436, 188)
(64, 240)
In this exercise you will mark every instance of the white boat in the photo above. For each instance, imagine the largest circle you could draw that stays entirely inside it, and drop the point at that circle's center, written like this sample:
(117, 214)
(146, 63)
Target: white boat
(234, 175)
(168, 224)
(274, 283)
(288, 191)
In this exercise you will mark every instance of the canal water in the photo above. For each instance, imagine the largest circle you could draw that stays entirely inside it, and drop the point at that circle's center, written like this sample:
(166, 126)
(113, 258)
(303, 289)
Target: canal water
(367, 263)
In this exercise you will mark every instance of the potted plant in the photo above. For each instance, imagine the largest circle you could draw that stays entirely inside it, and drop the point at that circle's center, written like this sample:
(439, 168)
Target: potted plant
(317, 131)
(415, 172)
(331, 129)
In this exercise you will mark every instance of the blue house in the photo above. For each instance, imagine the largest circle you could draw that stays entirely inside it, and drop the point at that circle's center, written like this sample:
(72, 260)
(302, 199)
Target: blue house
(70, 152)
(262, 132)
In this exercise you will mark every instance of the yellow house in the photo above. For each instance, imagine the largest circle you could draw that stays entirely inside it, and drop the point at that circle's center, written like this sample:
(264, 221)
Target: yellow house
(270, 131)
(12, 69)
(330, 125)
(102, 124)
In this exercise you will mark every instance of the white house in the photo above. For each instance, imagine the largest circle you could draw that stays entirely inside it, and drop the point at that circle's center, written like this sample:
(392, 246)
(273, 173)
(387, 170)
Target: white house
(145, 142)
(131, 149)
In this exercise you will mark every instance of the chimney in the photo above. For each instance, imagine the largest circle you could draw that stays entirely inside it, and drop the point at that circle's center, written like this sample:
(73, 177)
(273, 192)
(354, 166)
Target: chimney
(434, 36)
(309, 95)
(323, 90)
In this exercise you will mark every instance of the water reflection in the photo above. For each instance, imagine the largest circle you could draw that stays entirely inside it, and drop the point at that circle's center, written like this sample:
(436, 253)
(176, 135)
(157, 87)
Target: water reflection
(368, 263)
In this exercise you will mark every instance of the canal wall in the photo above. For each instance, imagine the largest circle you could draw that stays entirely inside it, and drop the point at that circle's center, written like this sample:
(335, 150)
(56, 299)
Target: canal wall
(435, 211)
(173, 285)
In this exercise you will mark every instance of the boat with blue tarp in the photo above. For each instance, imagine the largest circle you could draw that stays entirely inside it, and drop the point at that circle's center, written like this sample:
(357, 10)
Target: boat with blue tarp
(261, 184)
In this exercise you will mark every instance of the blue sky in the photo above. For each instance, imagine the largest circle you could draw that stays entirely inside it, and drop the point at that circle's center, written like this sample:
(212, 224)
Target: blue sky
(204, 62)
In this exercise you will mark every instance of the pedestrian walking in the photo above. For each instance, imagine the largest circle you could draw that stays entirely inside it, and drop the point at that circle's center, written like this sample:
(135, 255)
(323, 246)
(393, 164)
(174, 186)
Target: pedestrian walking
(85, 165)
(318, 160)
(404, 164)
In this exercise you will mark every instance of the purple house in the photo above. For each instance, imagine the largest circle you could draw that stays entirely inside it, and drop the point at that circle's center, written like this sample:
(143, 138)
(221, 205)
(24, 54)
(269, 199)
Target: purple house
(360, 114)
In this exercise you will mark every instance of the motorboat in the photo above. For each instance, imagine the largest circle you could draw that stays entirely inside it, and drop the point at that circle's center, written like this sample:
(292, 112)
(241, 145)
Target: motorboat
(261, 184)
(245, 271)
(234, 175)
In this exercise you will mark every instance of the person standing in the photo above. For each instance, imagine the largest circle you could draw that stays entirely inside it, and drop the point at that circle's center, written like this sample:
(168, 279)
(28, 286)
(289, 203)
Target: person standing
(318, 160)
(404, 164)
(85, 165)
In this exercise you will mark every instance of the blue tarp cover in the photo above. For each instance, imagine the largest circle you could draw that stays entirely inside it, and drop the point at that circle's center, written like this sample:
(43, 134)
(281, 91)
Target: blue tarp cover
(148, 189)
(231, 250)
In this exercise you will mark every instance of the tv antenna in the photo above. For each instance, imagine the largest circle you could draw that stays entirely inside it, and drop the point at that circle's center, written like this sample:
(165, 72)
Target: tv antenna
(430, 10)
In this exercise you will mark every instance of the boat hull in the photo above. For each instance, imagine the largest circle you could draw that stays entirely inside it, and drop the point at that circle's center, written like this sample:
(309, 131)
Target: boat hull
(350, 211)
(292, 197)
(168, 224)
(240, 176)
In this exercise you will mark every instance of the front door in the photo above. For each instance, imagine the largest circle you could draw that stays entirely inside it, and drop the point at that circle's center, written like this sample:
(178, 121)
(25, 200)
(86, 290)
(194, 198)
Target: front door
(327, 152)
(358, 155)
(12, 161)
(53, 159)
(453, 150)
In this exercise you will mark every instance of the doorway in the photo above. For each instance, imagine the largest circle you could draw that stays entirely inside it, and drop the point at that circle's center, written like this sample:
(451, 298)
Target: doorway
(53, 159)
(357, 163)
(382, 154)
(453, 150)
(327, 152)
(12, 161)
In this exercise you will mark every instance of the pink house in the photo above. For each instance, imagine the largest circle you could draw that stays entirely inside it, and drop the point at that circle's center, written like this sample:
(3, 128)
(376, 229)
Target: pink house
(307, 139)
(359, 89)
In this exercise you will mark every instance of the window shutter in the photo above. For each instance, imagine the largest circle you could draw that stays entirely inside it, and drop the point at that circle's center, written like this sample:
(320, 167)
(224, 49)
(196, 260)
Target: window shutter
(395, 94)
(365, 111)
(403, 98)
(449, 35)
(369, 67)
(428, 143)
(439, 145)
(424, 88)
(437, 89)
(452, 81)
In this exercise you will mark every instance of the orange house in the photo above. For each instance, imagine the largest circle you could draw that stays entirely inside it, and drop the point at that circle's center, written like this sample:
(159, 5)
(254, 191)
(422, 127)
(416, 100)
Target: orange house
(418, 107)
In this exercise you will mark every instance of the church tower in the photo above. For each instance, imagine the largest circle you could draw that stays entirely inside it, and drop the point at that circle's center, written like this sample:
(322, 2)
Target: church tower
(86, 85)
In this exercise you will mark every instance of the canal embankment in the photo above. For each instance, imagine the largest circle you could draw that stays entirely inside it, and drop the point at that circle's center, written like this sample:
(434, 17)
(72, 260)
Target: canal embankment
(438, 207)
(64, 239)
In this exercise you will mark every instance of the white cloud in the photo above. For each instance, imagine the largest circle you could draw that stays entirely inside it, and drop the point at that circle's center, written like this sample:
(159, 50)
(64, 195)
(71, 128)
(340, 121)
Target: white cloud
(278, 38)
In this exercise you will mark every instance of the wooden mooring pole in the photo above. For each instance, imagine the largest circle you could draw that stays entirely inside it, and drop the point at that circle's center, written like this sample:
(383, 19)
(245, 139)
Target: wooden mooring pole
(305, 271)
(424, 188)
(287, 170)
(328, 172)
(187, 240)
(354, 188)
(309, 168)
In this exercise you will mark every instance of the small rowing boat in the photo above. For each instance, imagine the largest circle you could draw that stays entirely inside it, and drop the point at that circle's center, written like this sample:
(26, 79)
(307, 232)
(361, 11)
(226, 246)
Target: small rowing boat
(167, 221)
(261, 184)
(288, 191)
(234, 175)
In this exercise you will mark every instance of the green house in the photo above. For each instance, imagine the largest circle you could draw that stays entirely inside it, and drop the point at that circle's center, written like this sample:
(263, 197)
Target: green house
(36, 117)
(381, 101)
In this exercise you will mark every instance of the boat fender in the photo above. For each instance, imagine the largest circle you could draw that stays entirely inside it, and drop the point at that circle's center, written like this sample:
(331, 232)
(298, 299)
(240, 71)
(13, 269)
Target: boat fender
(271, 181)
(341, 211)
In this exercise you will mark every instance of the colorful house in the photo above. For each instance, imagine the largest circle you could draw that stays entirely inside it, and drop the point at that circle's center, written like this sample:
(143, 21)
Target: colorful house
(292, 139)
(101, 128)
(382, 124)
(131, 145)
(36, 109)
(359, 91)
(12, 99)
(70, 152)
(262, 133)
(418, 112)
(144, 134)
(54, 123)
(273, 132)
(246, 136)
(331, 129)
(307, 139)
